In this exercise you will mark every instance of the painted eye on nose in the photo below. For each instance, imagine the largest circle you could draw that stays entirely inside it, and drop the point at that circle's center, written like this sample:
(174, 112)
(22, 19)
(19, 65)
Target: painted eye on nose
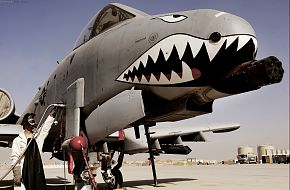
(172, 18)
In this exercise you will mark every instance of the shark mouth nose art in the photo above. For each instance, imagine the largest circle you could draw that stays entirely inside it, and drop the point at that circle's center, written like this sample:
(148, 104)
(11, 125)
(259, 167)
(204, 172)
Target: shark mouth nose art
(179, 58)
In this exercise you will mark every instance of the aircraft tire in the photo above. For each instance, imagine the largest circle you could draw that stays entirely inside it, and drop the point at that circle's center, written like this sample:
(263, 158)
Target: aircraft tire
(118, 178)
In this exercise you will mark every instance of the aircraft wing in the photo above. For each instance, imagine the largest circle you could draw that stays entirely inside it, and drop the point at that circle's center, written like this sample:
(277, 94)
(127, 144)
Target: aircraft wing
(7, 133)
(191, 133)
(168, 139)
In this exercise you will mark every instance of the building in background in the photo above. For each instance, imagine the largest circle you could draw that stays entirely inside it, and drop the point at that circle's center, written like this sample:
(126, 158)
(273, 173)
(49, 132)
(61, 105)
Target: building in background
(246, 155)
(266, 154)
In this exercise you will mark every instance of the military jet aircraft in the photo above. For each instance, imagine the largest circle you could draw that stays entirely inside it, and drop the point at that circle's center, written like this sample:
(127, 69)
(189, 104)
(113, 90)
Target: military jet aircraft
(130, 69)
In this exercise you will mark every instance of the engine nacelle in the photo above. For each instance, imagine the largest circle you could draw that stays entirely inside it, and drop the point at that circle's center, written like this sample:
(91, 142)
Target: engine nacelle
(7, 106)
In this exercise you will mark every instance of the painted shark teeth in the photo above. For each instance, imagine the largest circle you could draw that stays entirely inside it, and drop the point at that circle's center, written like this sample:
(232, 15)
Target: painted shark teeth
(175, 59)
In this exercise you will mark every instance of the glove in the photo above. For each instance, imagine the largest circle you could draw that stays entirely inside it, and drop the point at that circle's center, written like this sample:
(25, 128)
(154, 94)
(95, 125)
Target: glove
(17, 176)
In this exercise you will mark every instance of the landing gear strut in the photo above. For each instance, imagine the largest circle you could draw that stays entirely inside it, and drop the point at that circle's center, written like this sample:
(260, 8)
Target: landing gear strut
(116, 170)
(147, 133)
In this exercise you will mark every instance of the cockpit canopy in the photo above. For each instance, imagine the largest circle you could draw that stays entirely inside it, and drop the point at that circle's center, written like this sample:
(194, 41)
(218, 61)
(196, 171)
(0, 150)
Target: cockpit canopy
(109, 16)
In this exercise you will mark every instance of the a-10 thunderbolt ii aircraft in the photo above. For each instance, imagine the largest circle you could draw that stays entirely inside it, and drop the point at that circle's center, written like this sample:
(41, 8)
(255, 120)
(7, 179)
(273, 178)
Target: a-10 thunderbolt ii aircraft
(131, 69)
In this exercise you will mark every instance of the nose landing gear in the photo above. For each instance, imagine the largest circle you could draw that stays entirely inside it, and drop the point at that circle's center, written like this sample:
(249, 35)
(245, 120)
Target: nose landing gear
(113, 177)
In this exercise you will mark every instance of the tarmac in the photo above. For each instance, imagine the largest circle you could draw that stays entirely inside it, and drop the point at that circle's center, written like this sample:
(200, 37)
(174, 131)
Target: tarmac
(197, 177)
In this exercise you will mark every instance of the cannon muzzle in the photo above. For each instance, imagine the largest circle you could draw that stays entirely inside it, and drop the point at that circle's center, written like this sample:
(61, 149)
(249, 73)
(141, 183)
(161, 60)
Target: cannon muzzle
(252, 75)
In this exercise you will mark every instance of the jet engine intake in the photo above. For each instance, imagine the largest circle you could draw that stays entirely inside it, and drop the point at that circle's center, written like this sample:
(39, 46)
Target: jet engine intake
(7, 106)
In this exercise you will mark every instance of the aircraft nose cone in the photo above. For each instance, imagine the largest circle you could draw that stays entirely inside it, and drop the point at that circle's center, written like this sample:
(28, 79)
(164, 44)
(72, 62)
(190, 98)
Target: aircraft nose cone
(206, 42)
(214, 24)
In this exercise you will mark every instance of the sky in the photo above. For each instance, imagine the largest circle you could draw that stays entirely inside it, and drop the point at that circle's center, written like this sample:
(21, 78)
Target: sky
(35, 34)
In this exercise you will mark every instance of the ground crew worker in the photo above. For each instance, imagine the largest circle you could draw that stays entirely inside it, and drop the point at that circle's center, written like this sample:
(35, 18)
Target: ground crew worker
(19, 144)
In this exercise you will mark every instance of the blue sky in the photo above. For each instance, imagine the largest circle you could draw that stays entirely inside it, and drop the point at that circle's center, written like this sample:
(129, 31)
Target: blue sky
(34, 34)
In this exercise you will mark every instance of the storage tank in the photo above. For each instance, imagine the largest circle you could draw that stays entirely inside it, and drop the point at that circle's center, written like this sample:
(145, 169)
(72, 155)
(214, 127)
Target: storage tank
(264, 150)
(279, 152)
(270, 152)
(245, 150)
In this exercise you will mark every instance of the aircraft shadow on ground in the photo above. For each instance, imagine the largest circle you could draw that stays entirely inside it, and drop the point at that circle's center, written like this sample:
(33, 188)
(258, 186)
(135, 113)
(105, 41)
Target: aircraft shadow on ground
(129, 184)
(59, 183)
(161, 182)
(56, 181)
